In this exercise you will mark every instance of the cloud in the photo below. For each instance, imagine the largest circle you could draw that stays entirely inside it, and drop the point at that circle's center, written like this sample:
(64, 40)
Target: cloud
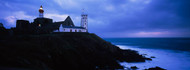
(110, 17)
(23, 15)
(150, 34)
(56, 17)
(137, 34)
(66, 3)
(141, 1)
(11, 19)
(110, 8)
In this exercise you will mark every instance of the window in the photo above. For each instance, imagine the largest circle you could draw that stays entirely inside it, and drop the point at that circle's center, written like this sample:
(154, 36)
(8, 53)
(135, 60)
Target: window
(70, 30)
(39, 25)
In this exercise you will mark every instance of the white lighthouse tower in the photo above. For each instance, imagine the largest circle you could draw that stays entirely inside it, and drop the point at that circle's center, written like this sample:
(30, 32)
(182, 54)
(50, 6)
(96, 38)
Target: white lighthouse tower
(41, 12)
(84, 20)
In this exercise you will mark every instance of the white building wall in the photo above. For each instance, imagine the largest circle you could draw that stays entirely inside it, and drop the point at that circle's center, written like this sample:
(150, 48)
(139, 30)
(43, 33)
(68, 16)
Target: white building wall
(61, 29)
(73, 30)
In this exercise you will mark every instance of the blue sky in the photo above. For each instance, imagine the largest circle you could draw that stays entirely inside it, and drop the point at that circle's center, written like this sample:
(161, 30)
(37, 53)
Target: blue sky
(108, 18)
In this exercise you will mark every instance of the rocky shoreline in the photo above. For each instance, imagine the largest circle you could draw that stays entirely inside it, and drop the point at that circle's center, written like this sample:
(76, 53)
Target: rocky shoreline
(63, 51)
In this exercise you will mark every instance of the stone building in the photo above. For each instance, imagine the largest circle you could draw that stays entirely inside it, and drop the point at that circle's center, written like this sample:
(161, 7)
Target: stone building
(42, 25)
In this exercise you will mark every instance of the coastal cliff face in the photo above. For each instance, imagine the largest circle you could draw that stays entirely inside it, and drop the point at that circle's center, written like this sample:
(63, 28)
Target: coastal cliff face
(63, 51)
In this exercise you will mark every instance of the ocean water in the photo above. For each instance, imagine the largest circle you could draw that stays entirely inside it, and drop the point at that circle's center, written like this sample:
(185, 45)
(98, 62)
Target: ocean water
(170, 53)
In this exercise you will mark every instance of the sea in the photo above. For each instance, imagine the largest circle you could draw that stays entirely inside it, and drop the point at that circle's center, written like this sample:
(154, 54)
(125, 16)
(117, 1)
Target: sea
(169, 53)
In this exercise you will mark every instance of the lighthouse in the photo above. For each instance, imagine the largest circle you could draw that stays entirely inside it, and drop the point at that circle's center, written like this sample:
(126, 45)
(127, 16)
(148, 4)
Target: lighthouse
(84, 20)
(41, 12)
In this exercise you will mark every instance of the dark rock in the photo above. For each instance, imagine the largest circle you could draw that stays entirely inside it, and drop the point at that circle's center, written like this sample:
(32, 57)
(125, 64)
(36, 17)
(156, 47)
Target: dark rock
(63, 51)
(148, 59)
(134, 67)
(1, 25)
(152, 57)
(3, 32)
(130, 56)
(144, 54)
(155, 68)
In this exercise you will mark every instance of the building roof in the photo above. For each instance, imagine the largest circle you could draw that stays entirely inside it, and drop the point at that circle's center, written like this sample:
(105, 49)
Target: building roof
(68, 21)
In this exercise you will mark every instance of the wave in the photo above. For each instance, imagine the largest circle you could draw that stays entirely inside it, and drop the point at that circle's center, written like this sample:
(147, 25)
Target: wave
(167, 59)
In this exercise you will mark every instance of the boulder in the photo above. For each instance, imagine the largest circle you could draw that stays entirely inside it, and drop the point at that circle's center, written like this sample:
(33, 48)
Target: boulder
(134, 67)
(1, 25)
(155, 68)
(152, 57)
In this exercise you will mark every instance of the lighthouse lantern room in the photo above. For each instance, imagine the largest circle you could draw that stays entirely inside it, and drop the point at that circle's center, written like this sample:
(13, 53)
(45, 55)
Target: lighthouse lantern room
(41, 12)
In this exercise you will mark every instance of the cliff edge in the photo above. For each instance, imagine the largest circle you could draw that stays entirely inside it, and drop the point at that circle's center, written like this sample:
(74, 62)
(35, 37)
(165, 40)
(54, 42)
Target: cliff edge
(60, 51)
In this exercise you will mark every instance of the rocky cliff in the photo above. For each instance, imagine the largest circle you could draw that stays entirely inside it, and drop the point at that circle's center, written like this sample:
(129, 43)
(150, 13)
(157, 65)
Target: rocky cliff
(60, 51)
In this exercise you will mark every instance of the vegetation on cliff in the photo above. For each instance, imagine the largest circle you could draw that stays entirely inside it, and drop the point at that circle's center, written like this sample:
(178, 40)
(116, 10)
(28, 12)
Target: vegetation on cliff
(63, 50)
